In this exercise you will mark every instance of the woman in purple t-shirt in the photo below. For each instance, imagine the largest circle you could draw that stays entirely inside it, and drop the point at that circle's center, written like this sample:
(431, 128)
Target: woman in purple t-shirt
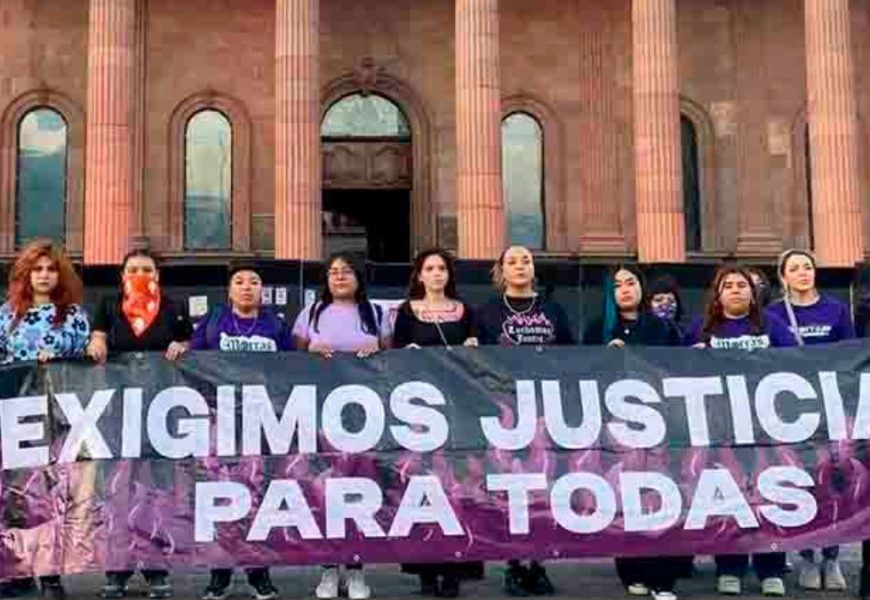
(813, 319)
(342, 321)
(734, 321)
(243, 325)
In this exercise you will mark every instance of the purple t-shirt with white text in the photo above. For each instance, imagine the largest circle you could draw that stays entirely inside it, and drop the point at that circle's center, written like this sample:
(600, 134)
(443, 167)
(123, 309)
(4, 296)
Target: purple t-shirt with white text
(737, 334)
(824, 322)
(228, 332)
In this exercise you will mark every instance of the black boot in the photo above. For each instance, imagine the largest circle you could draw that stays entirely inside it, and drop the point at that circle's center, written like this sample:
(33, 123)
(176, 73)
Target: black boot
(515, 579)
(428, 584)
(864, 588)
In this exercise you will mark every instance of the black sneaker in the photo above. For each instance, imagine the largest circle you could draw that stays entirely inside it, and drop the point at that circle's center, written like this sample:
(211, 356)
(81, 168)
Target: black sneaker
(449, 587)
(262, 584)
(18, 588)
(219, 586)
(515, 581)
(538, 582)
(159, 587)
(52, 588)
(428, 585)
(115, 586)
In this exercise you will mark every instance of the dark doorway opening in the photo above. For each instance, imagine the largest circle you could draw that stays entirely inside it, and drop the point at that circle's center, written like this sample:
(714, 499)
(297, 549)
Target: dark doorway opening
(371, 223)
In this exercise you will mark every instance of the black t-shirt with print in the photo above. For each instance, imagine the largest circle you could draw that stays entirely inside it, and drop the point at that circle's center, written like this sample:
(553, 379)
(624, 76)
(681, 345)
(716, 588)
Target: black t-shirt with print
(533, 321)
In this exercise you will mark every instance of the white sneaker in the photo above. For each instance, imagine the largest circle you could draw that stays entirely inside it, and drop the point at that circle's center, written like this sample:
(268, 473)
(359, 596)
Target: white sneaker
(328, 586)
(811, 576)
(356, 585)
(773, 586)
(663, 595)
(637, 589)
(834, 580)
(729, 585)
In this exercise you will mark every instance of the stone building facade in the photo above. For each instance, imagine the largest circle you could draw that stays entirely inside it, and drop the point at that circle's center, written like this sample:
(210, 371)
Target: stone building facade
(750, 116)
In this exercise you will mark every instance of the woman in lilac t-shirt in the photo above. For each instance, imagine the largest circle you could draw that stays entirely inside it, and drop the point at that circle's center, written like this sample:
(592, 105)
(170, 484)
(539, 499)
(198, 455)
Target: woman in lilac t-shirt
(813, 319)
(734, 321)
(342, 321)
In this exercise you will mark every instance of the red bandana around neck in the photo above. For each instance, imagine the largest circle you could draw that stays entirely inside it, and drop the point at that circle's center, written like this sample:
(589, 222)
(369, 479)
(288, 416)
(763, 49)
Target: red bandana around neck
(141, 302)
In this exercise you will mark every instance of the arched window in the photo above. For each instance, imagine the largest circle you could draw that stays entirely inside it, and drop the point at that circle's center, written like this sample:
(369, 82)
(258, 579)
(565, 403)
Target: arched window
(208, 182)
(365, 116)
(522, 156)
(691, 184)
(41, 181)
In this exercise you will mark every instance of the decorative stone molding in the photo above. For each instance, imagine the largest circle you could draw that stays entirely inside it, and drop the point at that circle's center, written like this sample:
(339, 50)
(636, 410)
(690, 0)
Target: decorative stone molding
(705, 130)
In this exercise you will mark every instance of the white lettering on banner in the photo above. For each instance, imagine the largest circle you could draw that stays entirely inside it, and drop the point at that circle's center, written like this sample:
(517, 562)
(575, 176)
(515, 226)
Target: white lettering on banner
(436, 430)
(785, 489)
(587, 433)
(769, 388)
(193, 431)
(14, 432)
(298, 419)
(632, 486)
(524, 429)
(366, 438)
(180, 423)
(84, 432)
(651, 431)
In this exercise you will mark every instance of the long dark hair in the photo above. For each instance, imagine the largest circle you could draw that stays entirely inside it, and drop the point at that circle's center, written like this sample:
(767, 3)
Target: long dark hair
(366, 310)
(611, 310)
(715, 314)
(416, 289)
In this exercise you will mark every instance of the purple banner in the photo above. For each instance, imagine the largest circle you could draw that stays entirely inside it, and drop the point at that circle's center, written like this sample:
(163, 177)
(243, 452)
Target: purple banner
(430, 456)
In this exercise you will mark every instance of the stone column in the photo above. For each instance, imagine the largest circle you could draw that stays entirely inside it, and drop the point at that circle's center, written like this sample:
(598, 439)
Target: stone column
(110, 170)
(833, 124)
(658, 164)
(298, 220)
(481, 216)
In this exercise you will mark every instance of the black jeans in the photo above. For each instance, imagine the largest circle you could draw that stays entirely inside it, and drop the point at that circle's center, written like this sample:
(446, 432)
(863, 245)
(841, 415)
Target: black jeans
(829, 553)
(659, 573)
(148, 574)
(771, 564)
(254, 573)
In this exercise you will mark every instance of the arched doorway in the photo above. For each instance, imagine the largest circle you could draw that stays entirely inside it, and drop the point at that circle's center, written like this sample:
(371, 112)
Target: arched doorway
(367, 178)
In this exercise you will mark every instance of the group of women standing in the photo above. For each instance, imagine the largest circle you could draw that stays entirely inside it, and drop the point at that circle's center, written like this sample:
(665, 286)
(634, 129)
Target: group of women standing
(43, 320)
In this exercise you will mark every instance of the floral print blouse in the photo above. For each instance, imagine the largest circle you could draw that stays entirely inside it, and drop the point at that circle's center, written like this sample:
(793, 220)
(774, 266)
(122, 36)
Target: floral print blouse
(36, 331)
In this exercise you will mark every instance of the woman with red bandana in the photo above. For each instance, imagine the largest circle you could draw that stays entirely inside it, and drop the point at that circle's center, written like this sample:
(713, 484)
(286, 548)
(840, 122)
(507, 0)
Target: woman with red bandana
(140, 318)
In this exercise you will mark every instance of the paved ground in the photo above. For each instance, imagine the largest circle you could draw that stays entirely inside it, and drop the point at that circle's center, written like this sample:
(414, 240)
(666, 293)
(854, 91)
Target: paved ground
(593, 580)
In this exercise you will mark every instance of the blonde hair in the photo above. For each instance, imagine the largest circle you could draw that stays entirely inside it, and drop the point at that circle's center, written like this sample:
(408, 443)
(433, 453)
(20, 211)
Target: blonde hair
(496, 273)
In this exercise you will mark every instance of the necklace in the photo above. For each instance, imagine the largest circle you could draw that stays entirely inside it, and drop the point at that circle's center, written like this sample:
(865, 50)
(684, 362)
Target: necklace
(515, 311)
(239, 329)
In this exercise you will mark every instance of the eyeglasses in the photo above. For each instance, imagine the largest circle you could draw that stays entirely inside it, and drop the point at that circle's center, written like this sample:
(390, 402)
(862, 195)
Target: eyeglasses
(341, 272)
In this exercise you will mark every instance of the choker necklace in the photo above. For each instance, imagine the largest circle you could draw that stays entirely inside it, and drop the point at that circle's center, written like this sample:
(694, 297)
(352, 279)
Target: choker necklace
(239, 329)
(519, 312)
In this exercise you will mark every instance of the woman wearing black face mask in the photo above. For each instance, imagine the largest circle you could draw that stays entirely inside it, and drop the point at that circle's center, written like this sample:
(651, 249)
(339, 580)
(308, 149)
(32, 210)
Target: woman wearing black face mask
(663, 300)
(627, 322)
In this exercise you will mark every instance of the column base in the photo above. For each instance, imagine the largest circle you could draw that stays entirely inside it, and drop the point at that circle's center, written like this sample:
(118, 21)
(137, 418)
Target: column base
(758, 243)
(603, 244)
